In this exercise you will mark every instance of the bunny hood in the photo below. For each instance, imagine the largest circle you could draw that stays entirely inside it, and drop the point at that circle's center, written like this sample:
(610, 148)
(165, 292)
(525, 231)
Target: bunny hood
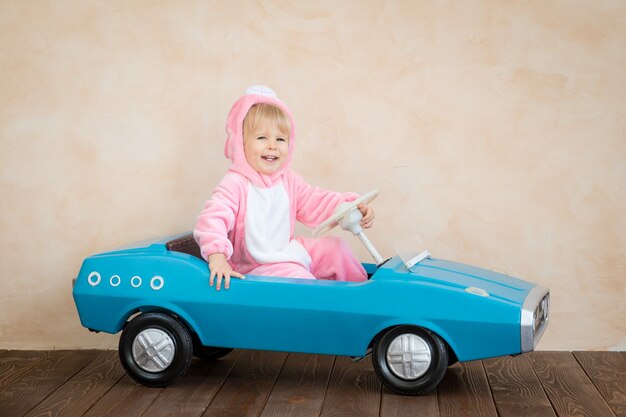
(234, 149)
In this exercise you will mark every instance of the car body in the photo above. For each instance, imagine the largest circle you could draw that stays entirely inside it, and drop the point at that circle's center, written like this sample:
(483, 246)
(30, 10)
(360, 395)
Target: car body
(474, 312)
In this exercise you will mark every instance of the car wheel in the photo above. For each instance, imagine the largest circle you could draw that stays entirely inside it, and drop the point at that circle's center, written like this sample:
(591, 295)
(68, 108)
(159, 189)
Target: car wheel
(155, 349)
(410, 360)
(210, 353)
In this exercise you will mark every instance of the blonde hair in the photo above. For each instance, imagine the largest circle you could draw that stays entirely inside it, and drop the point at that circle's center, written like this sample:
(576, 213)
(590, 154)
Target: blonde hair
(264, 112)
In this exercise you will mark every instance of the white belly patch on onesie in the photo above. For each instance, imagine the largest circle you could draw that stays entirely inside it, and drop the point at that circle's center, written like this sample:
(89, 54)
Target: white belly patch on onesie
(268, 227)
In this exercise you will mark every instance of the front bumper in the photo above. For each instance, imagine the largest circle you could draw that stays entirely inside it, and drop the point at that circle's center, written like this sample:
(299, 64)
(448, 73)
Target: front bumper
(535, 315)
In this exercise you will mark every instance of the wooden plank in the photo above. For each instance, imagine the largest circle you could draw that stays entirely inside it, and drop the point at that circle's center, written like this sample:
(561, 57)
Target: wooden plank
(353, 390)
(127, 398)
(192, 394)
(301, 386)
(70, 382)
(607, 371)
(41, 380)
(248, 386)
(394, 405)
(569, 389)
(78, 394)
(465, 392)
(14, 363)
(516, 390)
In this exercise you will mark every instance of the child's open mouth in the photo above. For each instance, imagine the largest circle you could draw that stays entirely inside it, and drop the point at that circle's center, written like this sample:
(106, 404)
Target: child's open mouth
(270, 158)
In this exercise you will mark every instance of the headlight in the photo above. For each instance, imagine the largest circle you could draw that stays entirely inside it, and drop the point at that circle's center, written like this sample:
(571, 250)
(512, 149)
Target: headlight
(534, 317)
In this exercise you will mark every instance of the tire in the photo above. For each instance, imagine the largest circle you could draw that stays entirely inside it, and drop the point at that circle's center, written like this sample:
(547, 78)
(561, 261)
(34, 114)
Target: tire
(155, 349)
(410, 360)
(210, 353)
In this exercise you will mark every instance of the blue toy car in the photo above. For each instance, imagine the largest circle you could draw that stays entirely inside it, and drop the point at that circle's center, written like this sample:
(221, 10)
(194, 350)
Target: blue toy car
(415, 316)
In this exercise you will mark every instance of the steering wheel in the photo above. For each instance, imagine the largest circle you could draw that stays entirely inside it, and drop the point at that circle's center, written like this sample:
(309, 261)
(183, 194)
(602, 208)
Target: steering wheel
(342, 210)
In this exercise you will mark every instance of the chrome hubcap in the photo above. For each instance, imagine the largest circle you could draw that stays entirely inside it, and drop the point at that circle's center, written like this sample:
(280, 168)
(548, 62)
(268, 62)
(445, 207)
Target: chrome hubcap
(409, 356)
(153, 350)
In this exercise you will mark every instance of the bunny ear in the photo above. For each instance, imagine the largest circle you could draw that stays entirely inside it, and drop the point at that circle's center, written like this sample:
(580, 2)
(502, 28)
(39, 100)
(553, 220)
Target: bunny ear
(261, 90)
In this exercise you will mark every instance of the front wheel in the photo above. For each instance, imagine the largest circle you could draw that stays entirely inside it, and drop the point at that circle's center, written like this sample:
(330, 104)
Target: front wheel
(155, 349)
(410, 360)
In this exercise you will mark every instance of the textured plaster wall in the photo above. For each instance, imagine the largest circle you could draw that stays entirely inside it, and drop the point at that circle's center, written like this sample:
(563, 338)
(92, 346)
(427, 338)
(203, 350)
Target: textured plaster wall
(495, 131)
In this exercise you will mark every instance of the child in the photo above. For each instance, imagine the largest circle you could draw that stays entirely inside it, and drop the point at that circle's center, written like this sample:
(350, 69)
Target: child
(247, 226)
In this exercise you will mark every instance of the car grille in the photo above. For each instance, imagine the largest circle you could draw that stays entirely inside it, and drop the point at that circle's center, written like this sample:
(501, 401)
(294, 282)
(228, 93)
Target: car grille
(541, 315)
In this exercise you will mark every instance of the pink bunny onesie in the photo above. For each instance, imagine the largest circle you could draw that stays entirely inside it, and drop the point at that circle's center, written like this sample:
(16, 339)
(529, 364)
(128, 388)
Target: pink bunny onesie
(251, 216)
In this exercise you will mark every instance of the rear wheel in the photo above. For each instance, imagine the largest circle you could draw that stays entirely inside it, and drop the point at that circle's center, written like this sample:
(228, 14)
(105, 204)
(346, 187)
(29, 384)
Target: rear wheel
(155, 349)
(410, 360)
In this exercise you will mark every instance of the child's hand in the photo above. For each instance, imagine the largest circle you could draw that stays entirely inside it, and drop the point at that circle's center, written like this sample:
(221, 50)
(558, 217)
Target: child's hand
(368, 215)
(221, 269)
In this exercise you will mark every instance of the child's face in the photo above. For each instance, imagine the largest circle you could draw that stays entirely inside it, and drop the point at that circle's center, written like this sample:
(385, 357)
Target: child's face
(266, 148)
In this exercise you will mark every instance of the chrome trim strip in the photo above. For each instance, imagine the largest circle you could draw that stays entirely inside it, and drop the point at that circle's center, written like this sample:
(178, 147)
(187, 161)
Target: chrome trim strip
(528, 338)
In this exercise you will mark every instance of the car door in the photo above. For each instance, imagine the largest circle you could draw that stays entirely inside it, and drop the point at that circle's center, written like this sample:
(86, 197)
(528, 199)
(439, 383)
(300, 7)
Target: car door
(311, 316)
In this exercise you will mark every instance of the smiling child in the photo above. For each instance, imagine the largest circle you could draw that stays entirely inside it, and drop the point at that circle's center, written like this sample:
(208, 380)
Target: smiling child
(247, 226)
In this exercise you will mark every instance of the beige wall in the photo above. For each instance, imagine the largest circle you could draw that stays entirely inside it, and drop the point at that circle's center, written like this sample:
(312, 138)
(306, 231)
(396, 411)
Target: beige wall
(495, 131)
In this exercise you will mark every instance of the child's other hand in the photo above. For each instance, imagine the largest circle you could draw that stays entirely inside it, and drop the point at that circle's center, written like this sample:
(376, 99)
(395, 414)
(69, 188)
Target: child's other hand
(368, 215)
(220, 269)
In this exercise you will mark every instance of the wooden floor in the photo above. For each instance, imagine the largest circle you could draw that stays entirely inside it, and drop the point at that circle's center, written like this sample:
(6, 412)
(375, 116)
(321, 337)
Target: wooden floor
(252, 383)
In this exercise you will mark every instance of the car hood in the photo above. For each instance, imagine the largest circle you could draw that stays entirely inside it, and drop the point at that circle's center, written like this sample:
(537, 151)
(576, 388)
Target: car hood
(474, 280)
